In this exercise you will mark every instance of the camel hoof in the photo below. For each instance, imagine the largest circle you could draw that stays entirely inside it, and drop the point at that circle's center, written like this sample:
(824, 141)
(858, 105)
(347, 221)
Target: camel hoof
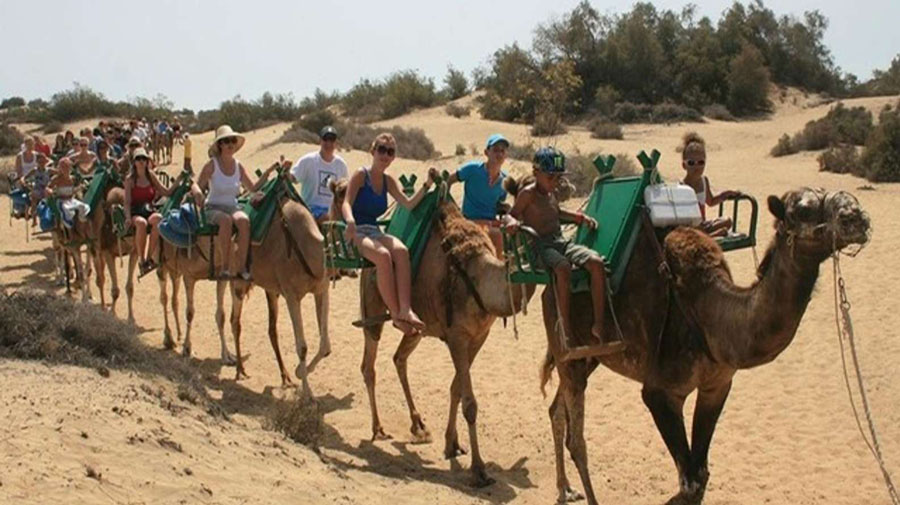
(480, 478)
(569, 495)
(686, 498)
(453, 451)
(420, 435)
(186, 351)
(228, 359)
(168, 343)
(379, 434)
(286, 382)
(240, 375)
(131, 320)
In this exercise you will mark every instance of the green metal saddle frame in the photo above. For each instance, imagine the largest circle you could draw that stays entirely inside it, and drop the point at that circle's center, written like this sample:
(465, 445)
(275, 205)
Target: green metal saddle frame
(411, 226)
(616, 204)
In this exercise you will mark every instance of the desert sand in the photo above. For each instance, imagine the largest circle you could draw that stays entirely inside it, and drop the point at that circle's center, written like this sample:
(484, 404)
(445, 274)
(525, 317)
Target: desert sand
(787, 434)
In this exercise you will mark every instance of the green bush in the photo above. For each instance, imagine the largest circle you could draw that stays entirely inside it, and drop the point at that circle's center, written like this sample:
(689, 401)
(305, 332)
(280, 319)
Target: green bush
(316, 120)
(605, 99)
(10, 139)
(405, 91)
(748, 82)
(456, 110)
(841, 159)
(840, 126)
(881, 156)
(456, 84)
(13, 101)
(602, 128)
(784, 147)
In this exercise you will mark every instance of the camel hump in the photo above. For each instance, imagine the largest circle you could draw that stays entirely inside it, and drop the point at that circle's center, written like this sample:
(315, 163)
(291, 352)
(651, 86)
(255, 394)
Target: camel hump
(306, 235)
(693, 256)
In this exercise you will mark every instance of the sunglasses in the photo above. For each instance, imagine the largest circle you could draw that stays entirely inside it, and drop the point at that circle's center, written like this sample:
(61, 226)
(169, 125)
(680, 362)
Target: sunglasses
(383, 149)
(692, 163)
(229, 140)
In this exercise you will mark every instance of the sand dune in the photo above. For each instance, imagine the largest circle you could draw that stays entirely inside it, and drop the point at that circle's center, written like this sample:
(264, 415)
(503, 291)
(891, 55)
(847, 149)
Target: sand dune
(787, 435)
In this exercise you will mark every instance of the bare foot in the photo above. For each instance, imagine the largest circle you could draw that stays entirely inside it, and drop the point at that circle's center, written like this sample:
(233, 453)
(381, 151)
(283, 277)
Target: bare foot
(597, 332)
(412, 319)
(404, 326)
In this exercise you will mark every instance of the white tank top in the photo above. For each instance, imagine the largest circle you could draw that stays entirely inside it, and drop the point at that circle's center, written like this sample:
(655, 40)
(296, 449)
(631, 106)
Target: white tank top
(224, 189)
(701, 199)
(28, 166)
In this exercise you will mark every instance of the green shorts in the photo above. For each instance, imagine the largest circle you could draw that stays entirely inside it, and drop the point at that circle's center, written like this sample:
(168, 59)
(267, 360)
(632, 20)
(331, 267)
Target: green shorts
(552, 251)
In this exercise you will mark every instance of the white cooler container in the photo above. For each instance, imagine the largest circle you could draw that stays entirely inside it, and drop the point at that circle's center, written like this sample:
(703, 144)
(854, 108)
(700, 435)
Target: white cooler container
(672, 205)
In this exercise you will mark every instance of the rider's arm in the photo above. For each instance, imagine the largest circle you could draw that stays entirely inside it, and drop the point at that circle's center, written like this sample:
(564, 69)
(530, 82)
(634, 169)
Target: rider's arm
(201, 183)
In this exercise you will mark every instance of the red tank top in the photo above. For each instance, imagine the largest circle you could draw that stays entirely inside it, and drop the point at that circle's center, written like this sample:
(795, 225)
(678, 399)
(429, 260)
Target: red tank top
(141, 195)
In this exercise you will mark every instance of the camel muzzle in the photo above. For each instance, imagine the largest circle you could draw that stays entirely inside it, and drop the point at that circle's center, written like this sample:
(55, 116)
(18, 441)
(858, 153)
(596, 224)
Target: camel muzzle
(849, 223)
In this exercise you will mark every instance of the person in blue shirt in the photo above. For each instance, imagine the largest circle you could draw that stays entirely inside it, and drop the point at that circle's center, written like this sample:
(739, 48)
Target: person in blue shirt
(483, 188)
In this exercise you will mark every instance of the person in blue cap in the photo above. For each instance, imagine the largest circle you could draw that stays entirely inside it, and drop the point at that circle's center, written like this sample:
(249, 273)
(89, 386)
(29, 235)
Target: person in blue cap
(536, 206)
(483, 187)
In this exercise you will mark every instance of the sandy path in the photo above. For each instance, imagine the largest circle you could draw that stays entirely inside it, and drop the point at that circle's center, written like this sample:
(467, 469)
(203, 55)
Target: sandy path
(787, 435)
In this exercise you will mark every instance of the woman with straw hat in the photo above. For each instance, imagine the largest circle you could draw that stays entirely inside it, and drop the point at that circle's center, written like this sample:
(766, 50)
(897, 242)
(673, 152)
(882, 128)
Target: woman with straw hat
(142, 188)
(223, 176)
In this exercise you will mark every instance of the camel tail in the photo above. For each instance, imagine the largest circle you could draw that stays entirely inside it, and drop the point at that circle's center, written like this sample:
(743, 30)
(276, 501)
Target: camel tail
(546, 371)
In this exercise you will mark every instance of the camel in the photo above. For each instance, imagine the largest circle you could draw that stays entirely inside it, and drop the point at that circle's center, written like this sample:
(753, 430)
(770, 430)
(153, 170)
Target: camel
(290, 262)
(736, 328)
(460, 290)
(109, 247)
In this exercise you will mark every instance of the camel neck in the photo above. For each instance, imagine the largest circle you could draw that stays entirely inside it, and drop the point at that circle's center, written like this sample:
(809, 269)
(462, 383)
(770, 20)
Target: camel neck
(490, 278)
(748, 327)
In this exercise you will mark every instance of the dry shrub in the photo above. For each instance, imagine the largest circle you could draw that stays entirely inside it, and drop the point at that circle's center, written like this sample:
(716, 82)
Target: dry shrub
(53, 127)
(547, 124)
(582, 172)
(841, 159)
(10, 139)
(298, 417)
(718, 111)
(784, 147)
(602, 128)
(457, 111)
(40, 326)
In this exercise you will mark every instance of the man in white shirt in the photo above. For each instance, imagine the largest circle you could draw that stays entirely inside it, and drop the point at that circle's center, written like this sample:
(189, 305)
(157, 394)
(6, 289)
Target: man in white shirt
(314, 170)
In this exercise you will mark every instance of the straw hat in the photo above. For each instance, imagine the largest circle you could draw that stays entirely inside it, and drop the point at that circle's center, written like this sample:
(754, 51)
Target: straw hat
(224, 132)
(140, 152)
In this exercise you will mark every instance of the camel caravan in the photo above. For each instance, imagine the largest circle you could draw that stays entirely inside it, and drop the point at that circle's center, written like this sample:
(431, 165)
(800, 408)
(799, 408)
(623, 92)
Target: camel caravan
(637, 281)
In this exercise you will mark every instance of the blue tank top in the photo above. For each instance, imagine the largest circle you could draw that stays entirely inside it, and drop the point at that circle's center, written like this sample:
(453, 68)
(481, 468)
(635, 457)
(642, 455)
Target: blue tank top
(369, 205)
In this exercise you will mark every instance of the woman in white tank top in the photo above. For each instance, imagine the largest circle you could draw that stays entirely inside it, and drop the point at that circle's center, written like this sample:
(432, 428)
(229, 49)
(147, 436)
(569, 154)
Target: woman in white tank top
(26, 161)
(224, 176)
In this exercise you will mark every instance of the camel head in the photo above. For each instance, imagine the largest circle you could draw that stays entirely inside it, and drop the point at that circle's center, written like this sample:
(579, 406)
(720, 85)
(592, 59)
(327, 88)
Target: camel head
(338, 188)
(820, 222)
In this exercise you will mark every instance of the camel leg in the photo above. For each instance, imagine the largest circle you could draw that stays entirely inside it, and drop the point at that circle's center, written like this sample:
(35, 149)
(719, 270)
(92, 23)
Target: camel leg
(666, 409)
(558, 425)
(114, 282)
(237, 306)
(322, 306)
(99, 265)
(272, 303)
(168, 343)
(227, 358)
(82, 277)
(368, 372)
(452, 448)
(462, 363)
(293, 305)
(188, 315)
(706, 414)
(174, 276)
(129, 286)
(572, 389)
(407, 345)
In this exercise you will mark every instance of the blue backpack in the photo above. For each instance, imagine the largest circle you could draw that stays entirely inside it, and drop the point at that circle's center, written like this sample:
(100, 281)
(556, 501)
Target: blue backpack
(45, 216)
(179, 228)
(20, 201)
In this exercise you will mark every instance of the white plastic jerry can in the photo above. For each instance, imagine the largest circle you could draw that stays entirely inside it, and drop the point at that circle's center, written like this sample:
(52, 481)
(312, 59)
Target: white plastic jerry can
(672, 205)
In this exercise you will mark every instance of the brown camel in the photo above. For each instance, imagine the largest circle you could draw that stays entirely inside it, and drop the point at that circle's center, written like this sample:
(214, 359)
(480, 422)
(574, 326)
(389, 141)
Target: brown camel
(735, 328)
(108, 248)
(290, 262)
(460, 290)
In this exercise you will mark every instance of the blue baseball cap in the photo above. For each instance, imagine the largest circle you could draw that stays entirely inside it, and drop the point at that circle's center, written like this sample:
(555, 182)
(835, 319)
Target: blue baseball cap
(495, 138)
(549, 160)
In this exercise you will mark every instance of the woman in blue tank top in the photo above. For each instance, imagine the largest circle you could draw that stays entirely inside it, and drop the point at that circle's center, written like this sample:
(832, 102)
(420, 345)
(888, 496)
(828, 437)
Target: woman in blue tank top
(365, 202)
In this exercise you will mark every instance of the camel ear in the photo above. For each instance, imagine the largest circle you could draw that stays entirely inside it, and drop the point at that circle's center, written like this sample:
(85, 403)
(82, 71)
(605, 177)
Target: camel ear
(511, 185)
(776, 207)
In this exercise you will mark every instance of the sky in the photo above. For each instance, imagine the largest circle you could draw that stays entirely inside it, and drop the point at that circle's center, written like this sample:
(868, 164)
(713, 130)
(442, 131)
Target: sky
(199, 53)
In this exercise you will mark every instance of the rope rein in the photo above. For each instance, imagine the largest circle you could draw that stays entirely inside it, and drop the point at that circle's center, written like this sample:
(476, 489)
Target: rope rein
(844, 325)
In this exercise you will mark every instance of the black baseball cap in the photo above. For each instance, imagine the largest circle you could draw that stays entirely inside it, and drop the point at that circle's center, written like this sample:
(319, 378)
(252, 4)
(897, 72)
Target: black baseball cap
(327, 130)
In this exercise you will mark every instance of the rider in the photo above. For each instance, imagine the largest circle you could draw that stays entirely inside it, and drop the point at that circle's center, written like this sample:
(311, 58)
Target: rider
(142, 188)
(314, 171)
